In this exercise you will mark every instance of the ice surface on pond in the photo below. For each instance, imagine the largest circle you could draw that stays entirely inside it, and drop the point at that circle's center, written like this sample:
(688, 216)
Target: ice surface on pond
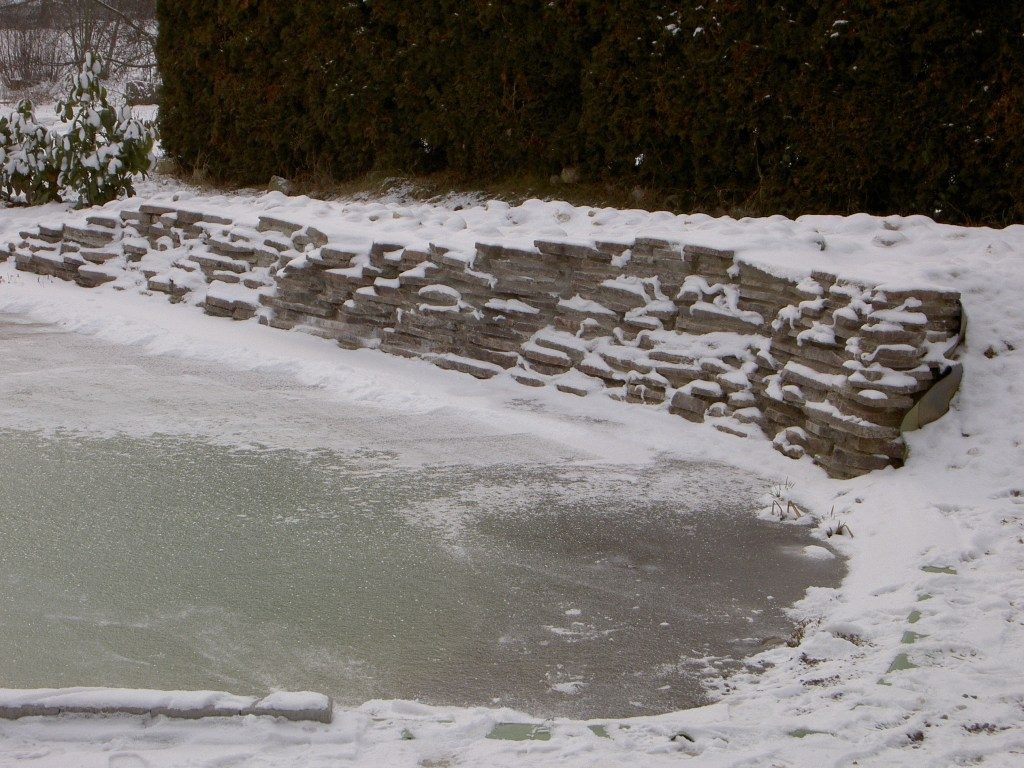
(168, 524)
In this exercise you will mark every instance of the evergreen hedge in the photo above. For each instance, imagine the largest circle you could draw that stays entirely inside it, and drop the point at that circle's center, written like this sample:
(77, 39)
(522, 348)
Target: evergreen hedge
(886, 106)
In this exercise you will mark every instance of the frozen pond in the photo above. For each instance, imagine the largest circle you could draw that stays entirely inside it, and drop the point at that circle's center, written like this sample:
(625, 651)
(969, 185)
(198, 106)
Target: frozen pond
(166, 523)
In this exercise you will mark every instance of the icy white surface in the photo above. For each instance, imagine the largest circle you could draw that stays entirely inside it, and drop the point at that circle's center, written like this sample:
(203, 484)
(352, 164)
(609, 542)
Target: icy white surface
(936, 560)
(511, 305)
(229, 291)
(293, 701)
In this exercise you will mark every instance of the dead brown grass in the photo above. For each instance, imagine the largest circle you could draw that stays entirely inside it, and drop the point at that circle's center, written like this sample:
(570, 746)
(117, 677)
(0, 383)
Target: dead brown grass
(513, 190)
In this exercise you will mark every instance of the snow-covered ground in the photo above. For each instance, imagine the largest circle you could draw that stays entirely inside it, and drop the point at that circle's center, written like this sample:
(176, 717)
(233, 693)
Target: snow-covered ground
(916, 660)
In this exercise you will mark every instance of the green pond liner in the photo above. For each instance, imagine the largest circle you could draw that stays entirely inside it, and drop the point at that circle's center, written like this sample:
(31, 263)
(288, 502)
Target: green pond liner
(520, 732)
(935, 402)
(800, 733)
(539, 731)
(901, 663)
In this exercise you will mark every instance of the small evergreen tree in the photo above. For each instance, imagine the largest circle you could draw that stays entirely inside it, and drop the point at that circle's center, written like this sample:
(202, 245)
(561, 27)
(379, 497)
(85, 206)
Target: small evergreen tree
(104, 146)
(90, 160)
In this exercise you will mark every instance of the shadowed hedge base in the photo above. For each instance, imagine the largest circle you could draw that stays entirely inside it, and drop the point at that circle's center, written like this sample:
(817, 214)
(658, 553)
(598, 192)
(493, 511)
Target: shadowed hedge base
(827, 106)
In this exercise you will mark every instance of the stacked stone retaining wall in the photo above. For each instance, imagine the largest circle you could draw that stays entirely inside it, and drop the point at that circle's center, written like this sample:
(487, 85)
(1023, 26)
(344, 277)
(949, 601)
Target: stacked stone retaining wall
(823, 366)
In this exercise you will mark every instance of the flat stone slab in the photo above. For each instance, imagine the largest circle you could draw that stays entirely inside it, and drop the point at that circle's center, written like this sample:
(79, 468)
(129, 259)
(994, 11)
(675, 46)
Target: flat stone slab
(187, 705)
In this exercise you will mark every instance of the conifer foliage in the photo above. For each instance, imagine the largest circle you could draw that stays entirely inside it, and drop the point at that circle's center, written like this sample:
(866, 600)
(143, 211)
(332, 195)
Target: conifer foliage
(90, 158)
(884, 106)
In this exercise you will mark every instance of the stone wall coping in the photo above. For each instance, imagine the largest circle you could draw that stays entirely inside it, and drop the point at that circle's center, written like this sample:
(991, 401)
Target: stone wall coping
(189, 705)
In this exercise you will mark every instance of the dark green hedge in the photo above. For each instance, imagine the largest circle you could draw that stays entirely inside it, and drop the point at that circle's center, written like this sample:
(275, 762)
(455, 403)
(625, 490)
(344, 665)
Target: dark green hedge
(826, 105)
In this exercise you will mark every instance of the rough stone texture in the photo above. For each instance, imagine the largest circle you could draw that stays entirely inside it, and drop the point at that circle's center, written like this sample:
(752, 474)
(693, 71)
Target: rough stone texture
(825, 367)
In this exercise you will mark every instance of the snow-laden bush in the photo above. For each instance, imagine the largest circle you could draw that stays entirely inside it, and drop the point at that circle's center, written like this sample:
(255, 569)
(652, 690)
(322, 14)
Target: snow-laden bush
(90, 159)
(104, 146)
(27, 171)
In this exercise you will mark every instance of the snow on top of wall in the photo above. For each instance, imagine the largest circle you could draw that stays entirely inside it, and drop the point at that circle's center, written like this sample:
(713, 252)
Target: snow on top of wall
(895, 251)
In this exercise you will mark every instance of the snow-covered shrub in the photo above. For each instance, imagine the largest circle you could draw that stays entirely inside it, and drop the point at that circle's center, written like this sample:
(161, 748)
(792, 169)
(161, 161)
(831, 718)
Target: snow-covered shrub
(103, 146)
(27, 171)
(90, 159)
(6, 144)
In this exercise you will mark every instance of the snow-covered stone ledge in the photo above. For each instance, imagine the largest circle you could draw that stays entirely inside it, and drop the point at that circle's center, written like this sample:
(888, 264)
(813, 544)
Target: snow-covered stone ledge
(824, 366)
(187, 705)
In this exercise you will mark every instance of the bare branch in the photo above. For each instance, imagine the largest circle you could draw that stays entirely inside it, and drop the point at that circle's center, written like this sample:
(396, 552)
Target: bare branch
(124, 17)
